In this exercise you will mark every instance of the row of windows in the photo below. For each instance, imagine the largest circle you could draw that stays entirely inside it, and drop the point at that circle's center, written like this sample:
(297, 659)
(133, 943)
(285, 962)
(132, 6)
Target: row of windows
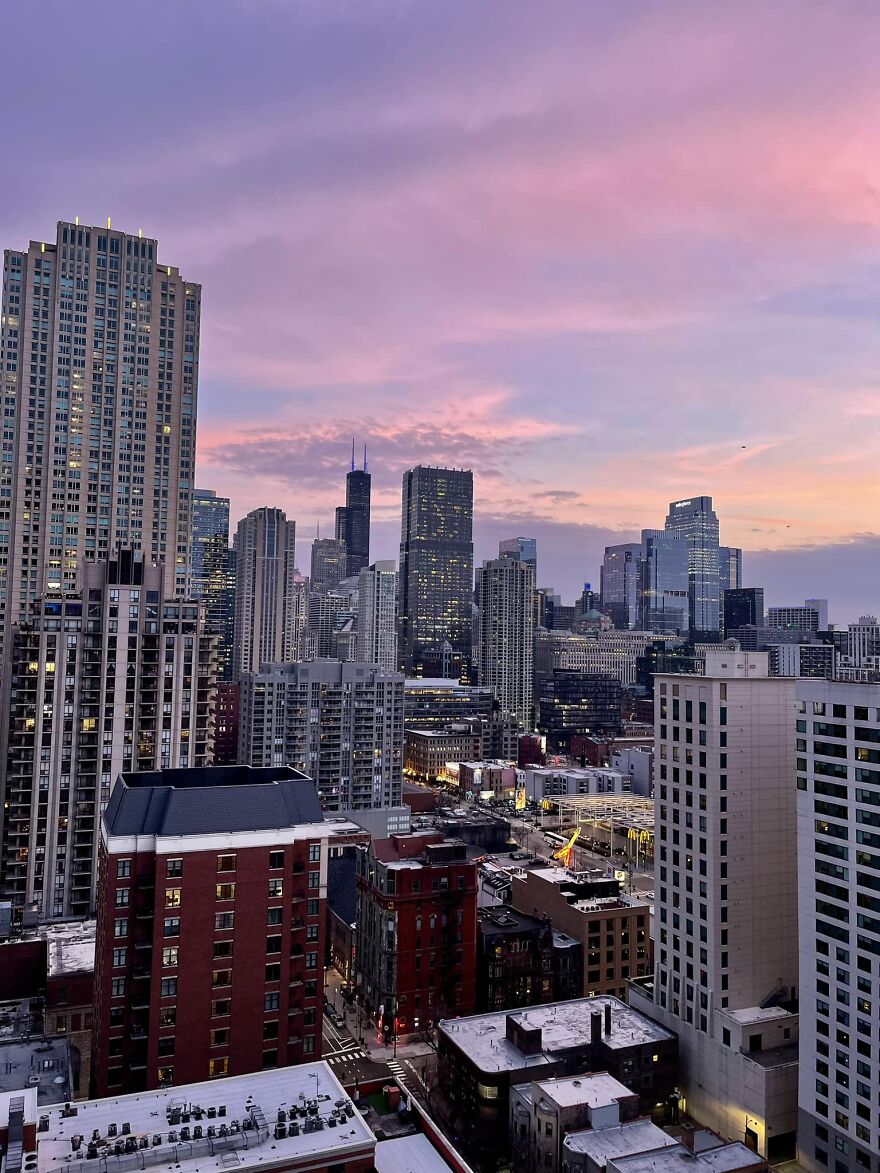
(225, 863)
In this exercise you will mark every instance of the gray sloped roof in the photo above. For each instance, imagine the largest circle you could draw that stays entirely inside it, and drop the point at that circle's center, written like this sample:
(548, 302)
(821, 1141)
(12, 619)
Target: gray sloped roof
(196, 802)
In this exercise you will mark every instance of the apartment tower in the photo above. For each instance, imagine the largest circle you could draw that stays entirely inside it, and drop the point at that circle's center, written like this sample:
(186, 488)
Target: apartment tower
(377, 615)
(504, 652)
(265, 616)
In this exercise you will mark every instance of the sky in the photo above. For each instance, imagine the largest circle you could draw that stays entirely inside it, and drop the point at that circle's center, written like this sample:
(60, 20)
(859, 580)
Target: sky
(606, 255)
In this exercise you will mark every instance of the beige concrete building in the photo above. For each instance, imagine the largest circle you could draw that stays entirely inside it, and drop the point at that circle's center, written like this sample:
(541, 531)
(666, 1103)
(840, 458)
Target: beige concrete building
(268, 605)
(99, 354)
(505, 590)
(725, 972)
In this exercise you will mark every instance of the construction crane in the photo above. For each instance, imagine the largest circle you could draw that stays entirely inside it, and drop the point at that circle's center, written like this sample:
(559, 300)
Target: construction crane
(566, 854)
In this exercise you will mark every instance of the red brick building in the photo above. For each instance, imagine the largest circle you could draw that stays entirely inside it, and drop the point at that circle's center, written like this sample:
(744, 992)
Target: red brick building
(211, 926)
(415, 952)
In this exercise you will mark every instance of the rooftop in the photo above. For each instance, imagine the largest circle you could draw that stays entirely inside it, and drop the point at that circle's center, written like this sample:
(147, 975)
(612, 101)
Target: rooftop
(407, 1154)
(593, 1091)
(70, 946)
(609, 1144)
(564, 1025)
(679, 1159)
(43, 1064)
(243, 798)
(239, 1113)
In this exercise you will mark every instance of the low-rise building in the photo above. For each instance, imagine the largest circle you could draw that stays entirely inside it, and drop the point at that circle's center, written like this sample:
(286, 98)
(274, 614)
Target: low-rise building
(486, 780)
(426, 752)
(612, 927)
(640, 1147)
(514, 959)
(569, 782)
(289, 1120)
(637, 763)
(481, 1057)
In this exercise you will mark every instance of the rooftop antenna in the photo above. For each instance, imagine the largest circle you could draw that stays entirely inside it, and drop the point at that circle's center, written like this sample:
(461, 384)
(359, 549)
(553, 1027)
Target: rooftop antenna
(365, 458)
(317, 529)
(352, 454)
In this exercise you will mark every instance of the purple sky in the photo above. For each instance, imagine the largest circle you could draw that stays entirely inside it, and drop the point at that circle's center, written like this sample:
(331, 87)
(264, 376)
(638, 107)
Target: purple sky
(604, 254)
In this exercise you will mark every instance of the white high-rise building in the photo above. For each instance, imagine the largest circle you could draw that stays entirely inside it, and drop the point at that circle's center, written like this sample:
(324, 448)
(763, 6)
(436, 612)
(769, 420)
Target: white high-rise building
(838, 803)
(267, 605)
(505, 592)
(725, 974)
(377, 615)
(99, 354)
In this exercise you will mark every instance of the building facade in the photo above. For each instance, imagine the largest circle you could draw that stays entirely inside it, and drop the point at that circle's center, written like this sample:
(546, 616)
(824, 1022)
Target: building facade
(211, 923)
(100, 347)
(415, 952)
(574, 702)
(213, 571)
(811, 615)
(742, 607)
(695, 521)
(837, 743)
(725, 973)
(619, 584)
(265, 563)
(340, 723)
(663, 583)
(520, 550)
(353, 518)
(504, 650)
(435, 585)
(377, 615)
(87, 702)
(329, 565)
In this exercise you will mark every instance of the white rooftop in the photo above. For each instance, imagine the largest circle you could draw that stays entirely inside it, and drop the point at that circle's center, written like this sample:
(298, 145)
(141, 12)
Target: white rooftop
(242, 1110)
(564, 1026)
(409, 1154)
(592, 1091)
(70, 946)
(750, 1015)
(608, 1144)
(679, 1159)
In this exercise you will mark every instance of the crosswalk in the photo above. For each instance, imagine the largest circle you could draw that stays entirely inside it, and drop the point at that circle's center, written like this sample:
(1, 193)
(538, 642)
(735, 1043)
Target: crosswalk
(397, 1070)
(345, 1056)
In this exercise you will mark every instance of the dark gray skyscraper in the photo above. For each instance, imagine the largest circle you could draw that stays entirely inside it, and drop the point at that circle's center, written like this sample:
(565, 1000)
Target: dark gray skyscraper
(743, 607)
(694, 520)
(353, 518)
(329, 561)
(521, 550)
(213, 570)
(663, 582)
(436, 581)
(619, 584)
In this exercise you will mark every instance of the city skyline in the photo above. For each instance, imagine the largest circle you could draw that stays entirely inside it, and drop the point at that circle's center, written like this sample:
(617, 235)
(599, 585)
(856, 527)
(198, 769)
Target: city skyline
(551, 255)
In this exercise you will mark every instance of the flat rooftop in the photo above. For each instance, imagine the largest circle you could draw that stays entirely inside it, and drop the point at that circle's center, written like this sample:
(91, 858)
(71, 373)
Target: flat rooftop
(70, 946)
(564, 1025)
(407, 1154)
(678, 1159)
(593, 1091)
(42, 1064)
(609, 1144)
(243, 1112)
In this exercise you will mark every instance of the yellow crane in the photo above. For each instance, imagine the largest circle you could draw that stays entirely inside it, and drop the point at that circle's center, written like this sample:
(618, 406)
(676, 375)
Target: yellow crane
(566, 854)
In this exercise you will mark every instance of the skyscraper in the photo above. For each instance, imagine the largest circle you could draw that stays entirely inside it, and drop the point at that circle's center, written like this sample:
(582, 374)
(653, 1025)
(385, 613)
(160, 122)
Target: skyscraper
(725, 975)
(86, 703)
(619, 584)
(265, 566)
(696, 522)
(342, 723)
(743, 607)
(329, 562)
(837, 730)
(436, 578)
(663, 583)
(353, 518)
(377, 615)
(504, 653)
(521, 550)
(101, 353)
(212, 570)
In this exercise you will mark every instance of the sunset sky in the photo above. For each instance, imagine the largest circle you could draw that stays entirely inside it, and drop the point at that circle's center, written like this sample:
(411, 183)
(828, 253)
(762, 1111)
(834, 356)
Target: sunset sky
(604, 254)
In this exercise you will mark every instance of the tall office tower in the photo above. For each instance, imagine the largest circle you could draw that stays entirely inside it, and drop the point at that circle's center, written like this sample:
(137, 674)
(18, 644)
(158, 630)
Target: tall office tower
(436, 580)
(663, 583)
(87, 702)
(811, 615)
(100, 348)
(353, 518)
(264, 611)
(377, 615)
(838, 850)
(329, 561)
(742, 607)
(210, 946)
(619, 584)
(340, 723)
(725, 975)
(213, 581)
(520, 550)
(296, 628)
(696, 522)
(730, 567)
(504, 652)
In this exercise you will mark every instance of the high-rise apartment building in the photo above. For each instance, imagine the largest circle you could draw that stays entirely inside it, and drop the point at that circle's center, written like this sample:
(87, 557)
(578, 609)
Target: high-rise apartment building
(725, 974)
(435, 584)
(619, 583)
(342, 724)
(742, 607)
(520, 550)
(863, 642)
(213, 570)
(837, 734)
(811, 615)
(695, 521)
(663, 583)
(100, 353)
(377, 615)
(266, 612)
(116, 678)
(353, 518)
(329, 562)
(210, 946)
(504, 652)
